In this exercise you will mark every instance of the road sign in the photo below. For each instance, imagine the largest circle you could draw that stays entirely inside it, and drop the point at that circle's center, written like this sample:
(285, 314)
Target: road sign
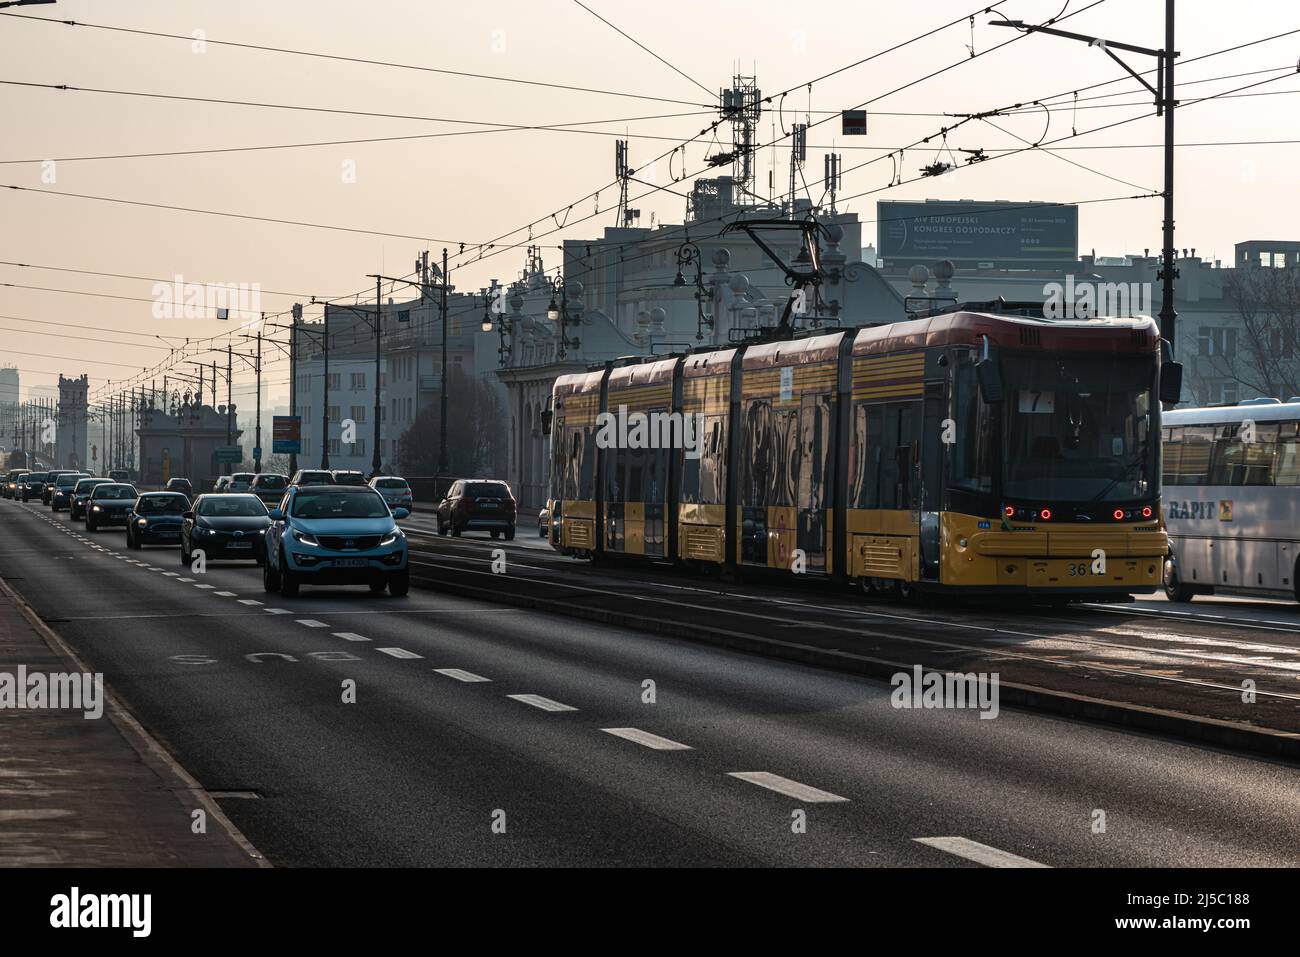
(228, 454)
(286, 434)
(257, 453)
(853, 122)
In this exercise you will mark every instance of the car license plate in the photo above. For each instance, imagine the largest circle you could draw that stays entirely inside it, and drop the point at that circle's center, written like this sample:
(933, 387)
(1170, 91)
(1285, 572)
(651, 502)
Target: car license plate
(240, 545)
(487, 504)
(350, 563)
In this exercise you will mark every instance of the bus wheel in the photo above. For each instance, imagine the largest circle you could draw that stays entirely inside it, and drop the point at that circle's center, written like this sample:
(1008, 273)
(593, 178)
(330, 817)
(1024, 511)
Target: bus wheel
(1175, 590)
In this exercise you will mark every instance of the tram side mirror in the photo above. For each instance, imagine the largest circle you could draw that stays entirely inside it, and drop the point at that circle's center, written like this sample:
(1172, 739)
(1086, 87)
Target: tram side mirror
(547, 416)
(989, 376)
(1171, 382)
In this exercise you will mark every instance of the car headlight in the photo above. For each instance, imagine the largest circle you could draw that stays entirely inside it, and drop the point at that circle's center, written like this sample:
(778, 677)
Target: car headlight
(393, 537)
(98, 509)
(306, 539)
(142, 522)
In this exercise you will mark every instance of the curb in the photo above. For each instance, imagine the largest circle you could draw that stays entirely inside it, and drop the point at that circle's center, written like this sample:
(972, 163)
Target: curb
(1232, 735)
(146, 745)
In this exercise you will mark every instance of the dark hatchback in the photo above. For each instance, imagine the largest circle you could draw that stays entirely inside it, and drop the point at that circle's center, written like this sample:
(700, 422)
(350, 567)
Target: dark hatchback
(225, 526)
(181, 485)
(61, 494)
(109, 504)
(30, 485)
(81, 495)
(312, 477)
(478, 504)
(156, 519)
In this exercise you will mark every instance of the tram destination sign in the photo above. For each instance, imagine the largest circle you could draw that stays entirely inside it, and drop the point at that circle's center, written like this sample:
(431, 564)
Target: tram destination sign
(969, 233)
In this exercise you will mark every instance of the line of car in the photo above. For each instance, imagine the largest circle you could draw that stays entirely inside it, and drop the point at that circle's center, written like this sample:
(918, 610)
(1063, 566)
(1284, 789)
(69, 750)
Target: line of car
(317, 530)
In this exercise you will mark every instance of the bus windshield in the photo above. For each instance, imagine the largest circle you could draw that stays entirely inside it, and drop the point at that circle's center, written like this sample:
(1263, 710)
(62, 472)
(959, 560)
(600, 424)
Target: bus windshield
(1079, 429)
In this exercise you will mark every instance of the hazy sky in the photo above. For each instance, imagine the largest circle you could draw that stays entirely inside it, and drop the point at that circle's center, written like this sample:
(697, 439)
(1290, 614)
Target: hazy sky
(474, 188)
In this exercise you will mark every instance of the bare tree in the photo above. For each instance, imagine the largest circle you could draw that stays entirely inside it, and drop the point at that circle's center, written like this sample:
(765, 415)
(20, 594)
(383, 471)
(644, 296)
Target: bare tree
(475, 431)
(1267, 354)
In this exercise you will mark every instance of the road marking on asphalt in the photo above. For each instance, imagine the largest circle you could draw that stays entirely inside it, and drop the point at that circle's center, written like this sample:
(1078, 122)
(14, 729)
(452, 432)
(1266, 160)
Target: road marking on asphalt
(537, 701)
(201, 586)
(277, 611)
(173, 575)
(647, 739)
(350, 636)
(460, 674)
(774, 782)
(979, 853)
(249, 601)
(311, 623)
(399, 653)
(186, 580)
(226, 594)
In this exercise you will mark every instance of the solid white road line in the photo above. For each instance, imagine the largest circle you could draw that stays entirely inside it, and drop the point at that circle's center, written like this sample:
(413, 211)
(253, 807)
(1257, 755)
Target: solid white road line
(537, 701)
(774, 782)
(460, 674)
(350, 636)
(399, 653)
(979, 853)
(647, 739)
(311, 623)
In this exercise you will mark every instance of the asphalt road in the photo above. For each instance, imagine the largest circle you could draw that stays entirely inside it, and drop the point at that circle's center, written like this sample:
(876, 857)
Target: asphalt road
(443, 740)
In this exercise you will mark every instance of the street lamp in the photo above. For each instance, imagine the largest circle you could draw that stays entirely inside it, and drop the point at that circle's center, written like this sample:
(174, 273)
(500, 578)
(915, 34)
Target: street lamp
(564, 314)
(688, 255)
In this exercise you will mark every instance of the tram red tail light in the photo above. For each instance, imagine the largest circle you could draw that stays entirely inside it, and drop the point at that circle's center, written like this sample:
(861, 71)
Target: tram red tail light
(1010, 511)
(1119, 514)
(1045, 514)
(1146, 511)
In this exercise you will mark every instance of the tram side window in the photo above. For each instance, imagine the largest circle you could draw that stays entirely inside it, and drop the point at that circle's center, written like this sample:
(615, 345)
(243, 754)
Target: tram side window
(586, 465)
(704, 478)
(868, 450)
(785, 458)
(814, 451)
(770, 455)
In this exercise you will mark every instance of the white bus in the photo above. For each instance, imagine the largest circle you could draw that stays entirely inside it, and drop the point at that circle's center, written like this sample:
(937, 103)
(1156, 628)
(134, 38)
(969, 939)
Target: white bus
(1231, 497)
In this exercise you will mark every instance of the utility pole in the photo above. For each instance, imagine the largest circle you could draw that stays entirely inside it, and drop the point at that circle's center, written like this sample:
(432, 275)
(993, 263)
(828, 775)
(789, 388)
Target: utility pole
(443, 464)
(257, 459)
(1165, 104)
(379, 325)
(230, 398)
(293, 378)
(325, 406)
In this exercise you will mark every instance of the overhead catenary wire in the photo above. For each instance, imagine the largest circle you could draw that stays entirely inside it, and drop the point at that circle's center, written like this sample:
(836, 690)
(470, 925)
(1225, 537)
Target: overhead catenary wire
(622, 33)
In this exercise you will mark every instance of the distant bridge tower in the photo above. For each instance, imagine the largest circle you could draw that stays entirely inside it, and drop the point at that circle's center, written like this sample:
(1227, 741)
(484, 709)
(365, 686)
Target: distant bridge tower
(71, 437)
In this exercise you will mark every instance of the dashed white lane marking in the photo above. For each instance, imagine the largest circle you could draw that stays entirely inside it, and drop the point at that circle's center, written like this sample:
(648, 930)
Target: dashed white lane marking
(460, 674)
(277, 611)
(311, 623)
(774, 782)
(225, 594)
(173, 575)
(249, 601)
(537, 701)
(350, 636)
(399, 652)
(186, 580)
(979, 853)
(647, 739)
(200, 586)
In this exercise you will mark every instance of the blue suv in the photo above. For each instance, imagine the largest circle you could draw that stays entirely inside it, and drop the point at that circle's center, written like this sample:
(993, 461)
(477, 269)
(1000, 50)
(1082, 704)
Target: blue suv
(335, 535)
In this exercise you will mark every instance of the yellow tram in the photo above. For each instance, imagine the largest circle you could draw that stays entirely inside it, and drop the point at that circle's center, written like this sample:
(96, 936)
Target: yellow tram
(965, 451)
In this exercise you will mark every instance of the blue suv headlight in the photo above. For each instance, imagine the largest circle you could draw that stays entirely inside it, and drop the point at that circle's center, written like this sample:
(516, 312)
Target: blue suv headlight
(392, 537)
(306, 539)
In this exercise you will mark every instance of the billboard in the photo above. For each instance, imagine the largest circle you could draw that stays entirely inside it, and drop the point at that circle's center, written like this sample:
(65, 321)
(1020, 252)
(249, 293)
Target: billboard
(286, 434)
(970, 232)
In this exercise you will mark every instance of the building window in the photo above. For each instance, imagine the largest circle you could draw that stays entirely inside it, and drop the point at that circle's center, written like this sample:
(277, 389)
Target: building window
(1216, 341)
(334, 380)
(358, 380)
(359, 447)
(358, 413)
(334, 446)
(334, 413)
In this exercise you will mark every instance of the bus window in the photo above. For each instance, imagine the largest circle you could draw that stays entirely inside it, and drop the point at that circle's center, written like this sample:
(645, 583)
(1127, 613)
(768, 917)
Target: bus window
(1239, 462)
(1194, 463)
(1287, 471)
(1173, 452)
